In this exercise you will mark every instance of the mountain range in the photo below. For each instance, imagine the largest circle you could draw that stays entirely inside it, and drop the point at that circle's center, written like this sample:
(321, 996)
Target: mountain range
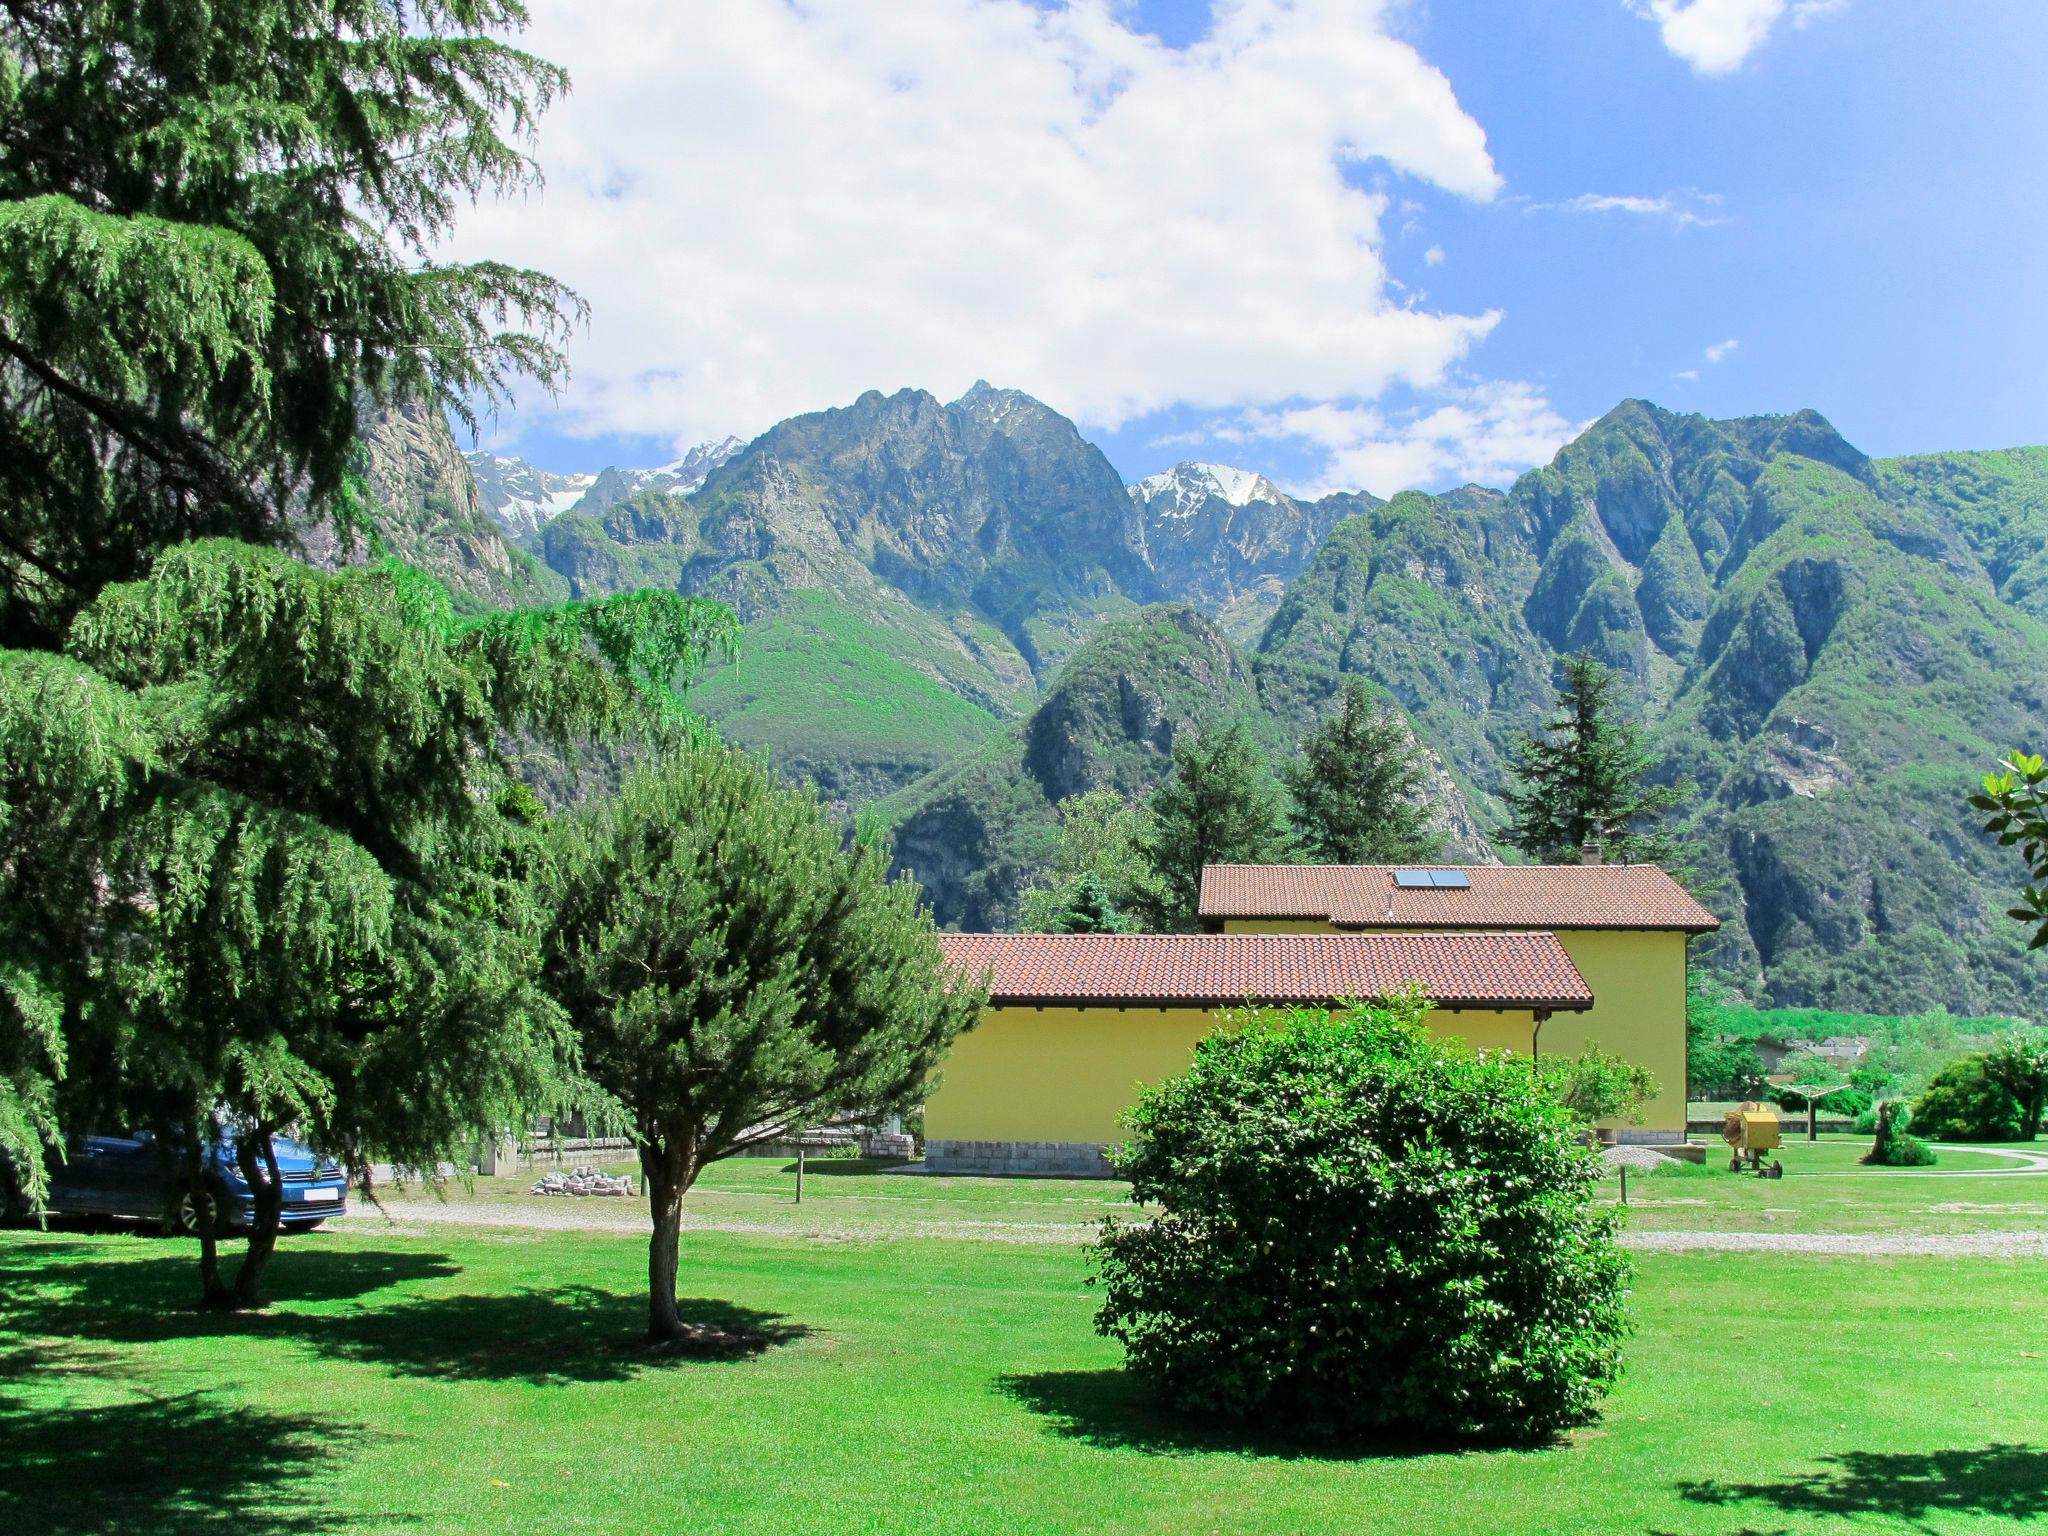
(960, 612)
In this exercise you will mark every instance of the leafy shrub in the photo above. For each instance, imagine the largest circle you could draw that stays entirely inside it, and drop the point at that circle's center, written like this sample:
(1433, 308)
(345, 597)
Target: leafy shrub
(1894, 1148)
(1850, 1104)
(1599, 1085)
(1964, 1103)
(1364, 1230)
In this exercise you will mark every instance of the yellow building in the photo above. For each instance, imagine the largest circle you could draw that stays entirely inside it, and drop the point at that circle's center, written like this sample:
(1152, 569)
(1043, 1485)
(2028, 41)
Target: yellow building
(1625, 926)
(1078, 1022)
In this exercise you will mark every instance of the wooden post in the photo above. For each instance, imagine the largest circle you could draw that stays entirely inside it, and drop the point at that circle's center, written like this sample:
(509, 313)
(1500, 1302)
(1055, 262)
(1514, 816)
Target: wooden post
(1624, 1183)
(799, 1173)
(1812, 1118)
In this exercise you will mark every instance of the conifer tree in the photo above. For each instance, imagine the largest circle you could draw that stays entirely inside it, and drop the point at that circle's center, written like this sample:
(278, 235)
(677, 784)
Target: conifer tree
(1356, 788)
(295, 890)
(216, 233)
(1101, 844)
(1582, 781)
(1219, 806)
(733, 973)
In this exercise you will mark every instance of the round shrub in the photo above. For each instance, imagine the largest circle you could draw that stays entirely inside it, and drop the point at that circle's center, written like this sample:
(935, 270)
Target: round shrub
(1963, 1103)
(1364, 1231)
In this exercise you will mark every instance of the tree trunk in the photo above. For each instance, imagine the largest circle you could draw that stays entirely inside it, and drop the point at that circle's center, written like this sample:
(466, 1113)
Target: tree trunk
(257, 1159)
(213, 1291)
(665, 1167)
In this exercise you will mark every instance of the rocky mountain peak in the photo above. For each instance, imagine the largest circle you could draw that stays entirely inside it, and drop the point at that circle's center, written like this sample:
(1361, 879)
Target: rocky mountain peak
(1182, 490)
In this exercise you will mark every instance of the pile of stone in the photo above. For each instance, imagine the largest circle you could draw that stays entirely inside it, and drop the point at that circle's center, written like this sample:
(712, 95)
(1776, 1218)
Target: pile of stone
(581, 1181)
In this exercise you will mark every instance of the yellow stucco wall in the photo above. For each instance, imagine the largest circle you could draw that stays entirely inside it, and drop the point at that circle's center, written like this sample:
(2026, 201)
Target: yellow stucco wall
(1068, 1074)
(1638, 982)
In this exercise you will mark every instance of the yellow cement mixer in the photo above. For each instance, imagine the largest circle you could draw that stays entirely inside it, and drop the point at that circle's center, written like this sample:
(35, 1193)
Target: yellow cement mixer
(1751, 1130)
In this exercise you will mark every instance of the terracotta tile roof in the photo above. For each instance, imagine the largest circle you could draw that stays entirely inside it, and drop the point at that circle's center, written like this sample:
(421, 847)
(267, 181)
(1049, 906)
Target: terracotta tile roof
(1456, 970)
(1499, 896)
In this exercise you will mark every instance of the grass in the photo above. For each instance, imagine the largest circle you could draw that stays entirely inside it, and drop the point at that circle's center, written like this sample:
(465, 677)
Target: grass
(413, 1378)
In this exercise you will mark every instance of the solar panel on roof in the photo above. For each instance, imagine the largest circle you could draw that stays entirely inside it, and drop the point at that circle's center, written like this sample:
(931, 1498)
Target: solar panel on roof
(1432, 879)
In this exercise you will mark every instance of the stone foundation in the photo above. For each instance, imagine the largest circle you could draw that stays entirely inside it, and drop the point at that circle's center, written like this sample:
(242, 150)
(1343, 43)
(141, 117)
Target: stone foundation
(1065, 1159)
(1632, 1137)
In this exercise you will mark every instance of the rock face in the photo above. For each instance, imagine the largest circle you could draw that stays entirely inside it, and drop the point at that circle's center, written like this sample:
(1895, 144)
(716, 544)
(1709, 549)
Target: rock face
(426, 510)
(1230, 540)
(1830, 647)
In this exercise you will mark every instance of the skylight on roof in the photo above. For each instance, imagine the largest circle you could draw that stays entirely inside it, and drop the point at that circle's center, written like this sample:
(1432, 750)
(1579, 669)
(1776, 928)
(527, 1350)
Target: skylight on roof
(1428, 879)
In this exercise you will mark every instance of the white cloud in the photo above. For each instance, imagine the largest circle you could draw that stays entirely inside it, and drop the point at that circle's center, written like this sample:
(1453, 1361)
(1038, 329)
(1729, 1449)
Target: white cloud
(1715, 36)
(773, 207)
(1688, 207)
(1721, 349)
(1686, 373)
(1433, 257)
(1487, 432)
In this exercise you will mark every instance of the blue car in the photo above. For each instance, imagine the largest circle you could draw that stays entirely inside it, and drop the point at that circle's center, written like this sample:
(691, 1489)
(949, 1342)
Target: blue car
(124, 1176)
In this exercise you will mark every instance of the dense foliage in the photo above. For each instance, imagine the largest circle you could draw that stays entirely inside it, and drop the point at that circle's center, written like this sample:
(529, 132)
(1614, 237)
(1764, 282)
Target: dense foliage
(1357, 787)
(1219, 806)
(267, 849)
(2018, 1063)
(1599, 1085)
(2016, 798)
(1098, 878)
(216, 227)
(1364, 1231)
(1582, 783)
(1966, 1103)
(1895, 1147)
(733, 973)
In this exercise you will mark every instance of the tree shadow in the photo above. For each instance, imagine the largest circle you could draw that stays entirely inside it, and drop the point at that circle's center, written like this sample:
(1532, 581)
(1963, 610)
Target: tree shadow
(170, 1466)
(561, 1334)
(842, 1167)
(1113, 1410)
(153, 1299)
(565, 1334)
(2007, 1482)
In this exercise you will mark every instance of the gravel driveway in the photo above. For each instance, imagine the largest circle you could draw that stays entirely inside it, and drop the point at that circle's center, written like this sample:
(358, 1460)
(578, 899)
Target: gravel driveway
(617, 1216)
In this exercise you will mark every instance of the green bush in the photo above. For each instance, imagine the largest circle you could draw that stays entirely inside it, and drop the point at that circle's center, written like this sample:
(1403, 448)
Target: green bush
(1598, 1085)
(1894, 1148)
(1964, 1103)
(1364, 1230)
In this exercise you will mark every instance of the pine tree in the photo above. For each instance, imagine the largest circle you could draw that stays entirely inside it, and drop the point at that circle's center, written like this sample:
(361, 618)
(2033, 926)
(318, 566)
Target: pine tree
(1356, 788)
(733, 973)
(1582, 781)
(266, 854)
(1088, 909)
(1219, 806)
(217, 227)
(1101, 842)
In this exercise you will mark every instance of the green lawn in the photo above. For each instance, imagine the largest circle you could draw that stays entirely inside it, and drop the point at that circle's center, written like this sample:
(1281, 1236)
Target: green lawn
(478, 1379)
(1825, 1190)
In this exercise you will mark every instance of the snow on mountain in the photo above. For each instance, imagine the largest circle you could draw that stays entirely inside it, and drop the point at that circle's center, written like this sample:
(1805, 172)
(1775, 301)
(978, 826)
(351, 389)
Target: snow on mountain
(1184, 489)
(523, 500)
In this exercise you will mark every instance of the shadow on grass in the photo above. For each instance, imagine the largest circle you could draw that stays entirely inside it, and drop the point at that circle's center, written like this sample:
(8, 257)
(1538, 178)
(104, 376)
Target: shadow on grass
(65, 1289)
(173, 1466)
(841, 1167)
(1112, 1410)
(2005, 1482)
(565, 1333)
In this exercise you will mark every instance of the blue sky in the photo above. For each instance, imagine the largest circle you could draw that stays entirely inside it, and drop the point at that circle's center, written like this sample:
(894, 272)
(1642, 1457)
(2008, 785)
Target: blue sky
(1152, 217)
